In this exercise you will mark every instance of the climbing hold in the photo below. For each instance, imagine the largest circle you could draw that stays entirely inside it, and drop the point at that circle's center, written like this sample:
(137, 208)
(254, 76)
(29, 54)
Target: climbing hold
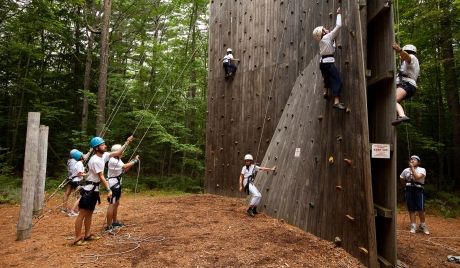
(338, 241)
(217, 185)
(338, 187)
(348, 110)
(348, 161)
(364, 250)
(350, 217)
(268, 119)
(320, 117)
(236, 142)
(311, 204)
(331, 160)
(338, 138)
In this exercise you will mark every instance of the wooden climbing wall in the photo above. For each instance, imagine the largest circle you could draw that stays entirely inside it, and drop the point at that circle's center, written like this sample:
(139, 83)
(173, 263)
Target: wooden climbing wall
(274, 105)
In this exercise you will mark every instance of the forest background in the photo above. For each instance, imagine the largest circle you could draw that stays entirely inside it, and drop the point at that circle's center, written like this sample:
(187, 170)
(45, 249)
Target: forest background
(115, 68)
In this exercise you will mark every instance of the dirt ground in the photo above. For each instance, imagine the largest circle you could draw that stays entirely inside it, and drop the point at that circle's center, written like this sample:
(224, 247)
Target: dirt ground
(200, 231)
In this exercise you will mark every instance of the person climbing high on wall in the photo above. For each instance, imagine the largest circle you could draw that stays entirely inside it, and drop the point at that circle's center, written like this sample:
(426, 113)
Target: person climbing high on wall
(229, 66)
(90, 191)
(247, 176)
(330, 73)
(406, 82)
(116, 169)
(413, 179)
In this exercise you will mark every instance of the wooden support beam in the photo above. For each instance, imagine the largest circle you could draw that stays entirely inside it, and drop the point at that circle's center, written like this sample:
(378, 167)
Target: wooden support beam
(24, 226)
(383, 5)
(374, 79)
(384, 212)
(39, 197)
(384, 262)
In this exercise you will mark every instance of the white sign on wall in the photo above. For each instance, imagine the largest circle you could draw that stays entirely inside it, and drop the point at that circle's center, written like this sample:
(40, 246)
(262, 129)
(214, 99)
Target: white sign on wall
(297, 152)
(380, 150)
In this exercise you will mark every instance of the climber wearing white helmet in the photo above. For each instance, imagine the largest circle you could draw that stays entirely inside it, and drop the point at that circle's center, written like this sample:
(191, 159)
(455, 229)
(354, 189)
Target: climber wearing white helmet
(247, 176)
(330, 73)
(229, 66)
(406, 82)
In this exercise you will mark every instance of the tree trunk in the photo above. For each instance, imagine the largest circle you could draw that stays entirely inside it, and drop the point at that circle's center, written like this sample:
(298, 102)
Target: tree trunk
(450, 81)
(104, 56)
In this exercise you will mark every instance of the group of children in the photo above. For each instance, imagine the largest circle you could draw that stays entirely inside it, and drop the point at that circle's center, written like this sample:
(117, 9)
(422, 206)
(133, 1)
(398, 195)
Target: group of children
(406, 82)
(85, 204)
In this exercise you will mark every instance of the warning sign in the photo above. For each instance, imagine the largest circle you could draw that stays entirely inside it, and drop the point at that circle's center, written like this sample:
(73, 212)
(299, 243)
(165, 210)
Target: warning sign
(380, 150)
(297, 152)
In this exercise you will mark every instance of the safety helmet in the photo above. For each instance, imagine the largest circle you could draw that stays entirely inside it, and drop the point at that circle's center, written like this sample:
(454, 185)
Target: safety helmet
(229, 50)
(71, 152)
(248, 157)
(96, 141)
(415, 157)
(318, 33)
(411, 48)
(76, 154)
(116, 147)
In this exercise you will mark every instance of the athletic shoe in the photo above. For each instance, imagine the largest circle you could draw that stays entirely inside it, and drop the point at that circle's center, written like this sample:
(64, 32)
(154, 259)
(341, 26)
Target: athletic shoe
(399, 120)
(254, 210)
(339, 106)
(250, 212)
(72, 214)
(117, 224)
(413, 228)
(424, 229)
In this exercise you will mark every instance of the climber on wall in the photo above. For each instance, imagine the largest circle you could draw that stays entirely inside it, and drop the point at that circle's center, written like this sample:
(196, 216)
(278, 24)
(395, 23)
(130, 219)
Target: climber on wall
(330, 73)
(229, 66)
(406, 81)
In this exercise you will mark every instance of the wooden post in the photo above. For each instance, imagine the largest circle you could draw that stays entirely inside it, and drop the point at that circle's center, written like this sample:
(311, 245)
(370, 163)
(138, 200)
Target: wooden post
(41, 175)
(24, 226)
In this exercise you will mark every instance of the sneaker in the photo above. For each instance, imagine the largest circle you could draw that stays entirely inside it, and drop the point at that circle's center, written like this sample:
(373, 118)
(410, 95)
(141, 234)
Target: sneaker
(254, 210)
(72, 214)
(117, 224)
(424, 229)
(399, 120)
(108, 229)
(339, 106)
(413, 228)
(250, 212)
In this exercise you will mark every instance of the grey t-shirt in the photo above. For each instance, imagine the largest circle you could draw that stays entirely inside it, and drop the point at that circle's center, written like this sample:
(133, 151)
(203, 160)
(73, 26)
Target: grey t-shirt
(411, 70)
(409, 177)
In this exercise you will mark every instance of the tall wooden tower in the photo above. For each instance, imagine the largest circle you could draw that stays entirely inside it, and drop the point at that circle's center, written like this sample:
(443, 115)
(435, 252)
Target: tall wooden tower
(326, 182)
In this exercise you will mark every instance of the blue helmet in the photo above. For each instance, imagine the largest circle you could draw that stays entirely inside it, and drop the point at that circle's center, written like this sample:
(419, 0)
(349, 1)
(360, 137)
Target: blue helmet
(96, 141)
(76, 154)
(72, 151)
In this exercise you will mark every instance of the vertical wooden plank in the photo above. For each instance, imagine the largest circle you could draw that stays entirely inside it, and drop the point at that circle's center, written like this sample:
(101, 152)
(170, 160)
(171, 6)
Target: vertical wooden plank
(24, 227)
(39, 196)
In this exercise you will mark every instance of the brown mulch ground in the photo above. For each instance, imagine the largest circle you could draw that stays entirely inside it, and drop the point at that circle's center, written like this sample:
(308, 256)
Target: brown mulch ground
(200, 231)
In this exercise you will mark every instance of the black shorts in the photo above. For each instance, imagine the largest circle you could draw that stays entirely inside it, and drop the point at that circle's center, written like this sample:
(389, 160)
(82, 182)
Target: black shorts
(331, 78)
(408, 87)
(415, 198)
(116, 194)
(88, 200)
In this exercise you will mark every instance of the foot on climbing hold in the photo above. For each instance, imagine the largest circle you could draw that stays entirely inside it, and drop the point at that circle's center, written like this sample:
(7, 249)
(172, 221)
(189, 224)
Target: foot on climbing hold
(399, 120)
(339, 106)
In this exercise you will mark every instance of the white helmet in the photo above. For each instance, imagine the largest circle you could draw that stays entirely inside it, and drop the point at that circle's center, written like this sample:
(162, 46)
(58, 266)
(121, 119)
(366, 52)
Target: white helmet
(229, 50)
(116, 147)
(410, 48)
(248, 157)
(318, 33)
